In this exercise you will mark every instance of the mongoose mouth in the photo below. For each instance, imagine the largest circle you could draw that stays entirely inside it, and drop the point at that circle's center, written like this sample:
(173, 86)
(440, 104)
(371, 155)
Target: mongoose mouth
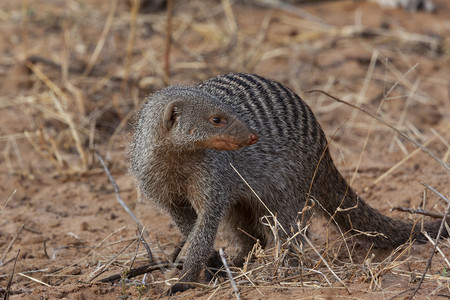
(230, 143)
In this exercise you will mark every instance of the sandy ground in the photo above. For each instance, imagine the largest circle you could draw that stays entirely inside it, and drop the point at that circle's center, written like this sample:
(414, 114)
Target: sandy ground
(72, 74)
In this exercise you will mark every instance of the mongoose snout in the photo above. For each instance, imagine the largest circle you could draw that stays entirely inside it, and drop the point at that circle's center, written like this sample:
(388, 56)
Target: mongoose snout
(235, 135)
(276, 144)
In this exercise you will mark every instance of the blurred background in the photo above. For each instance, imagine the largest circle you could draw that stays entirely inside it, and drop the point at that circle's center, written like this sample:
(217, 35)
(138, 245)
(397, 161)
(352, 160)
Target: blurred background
(73, 74)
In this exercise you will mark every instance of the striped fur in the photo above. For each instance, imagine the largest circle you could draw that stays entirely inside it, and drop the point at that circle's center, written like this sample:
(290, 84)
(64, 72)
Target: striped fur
(288, 165)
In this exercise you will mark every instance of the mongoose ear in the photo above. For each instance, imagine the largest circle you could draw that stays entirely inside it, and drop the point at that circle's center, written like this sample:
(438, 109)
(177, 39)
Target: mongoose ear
(171, 114)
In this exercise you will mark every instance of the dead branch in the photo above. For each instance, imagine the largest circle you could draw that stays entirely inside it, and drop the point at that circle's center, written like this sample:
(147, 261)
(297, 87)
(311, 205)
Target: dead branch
(418, 211)
(142, 270)
(122, 203)
(173, 257)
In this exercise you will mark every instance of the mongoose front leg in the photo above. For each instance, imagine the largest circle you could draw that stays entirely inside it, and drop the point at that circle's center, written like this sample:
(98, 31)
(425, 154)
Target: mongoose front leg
(201, 243)
(184, 217)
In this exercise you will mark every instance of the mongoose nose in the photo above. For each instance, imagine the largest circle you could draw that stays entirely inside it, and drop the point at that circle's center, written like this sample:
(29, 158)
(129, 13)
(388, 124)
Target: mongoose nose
(253, 138)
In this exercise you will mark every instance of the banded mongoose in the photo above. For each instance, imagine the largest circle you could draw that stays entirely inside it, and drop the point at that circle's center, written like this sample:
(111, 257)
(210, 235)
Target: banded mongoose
(186, 137)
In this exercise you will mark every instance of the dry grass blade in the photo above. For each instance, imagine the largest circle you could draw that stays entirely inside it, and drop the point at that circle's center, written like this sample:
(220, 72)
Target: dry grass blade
(9, 198)
(361, 97)
(63, 115)
(34, 279)
(104, 267)
(168, 45)
(446, 143)
(402, 161)
(92, 250)
(141, 228)
(8, 286)
(102, 39)
(436, 192)
(133, 25)
(260, 200)
(230, 277)
(16, 136)
(417, 144)
(437, 247)
(432, 252)
(327, 265)
(118, 129)
(11, 244)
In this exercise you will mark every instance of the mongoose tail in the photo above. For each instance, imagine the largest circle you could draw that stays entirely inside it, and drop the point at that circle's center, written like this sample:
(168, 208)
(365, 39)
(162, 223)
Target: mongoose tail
(277, 144)
(353, 214)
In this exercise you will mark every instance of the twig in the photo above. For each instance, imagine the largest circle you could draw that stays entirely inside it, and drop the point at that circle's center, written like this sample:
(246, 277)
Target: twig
(118, 197)
(2, 291)
(28, 272)
(292, 9)
(232, 282)
(436, 192)
(8, 286)
(45, 248)
(419, 211)
(432, 252)
(142, 270)
(173, 257)
(417, 144)
(141, 228)
(137, 249)
(147, 248)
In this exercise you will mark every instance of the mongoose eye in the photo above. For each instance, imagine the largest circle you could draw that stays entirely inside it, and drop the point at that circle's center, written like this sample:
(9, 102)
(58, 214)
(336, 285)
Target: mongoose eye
(216, 120)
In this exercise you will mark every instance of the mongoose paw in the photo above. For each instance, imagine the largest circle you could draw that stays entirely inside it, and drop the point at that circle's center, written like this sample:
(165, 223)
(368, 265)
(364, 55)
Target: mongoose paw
(178, 287)
(211, 273)
(213, 266)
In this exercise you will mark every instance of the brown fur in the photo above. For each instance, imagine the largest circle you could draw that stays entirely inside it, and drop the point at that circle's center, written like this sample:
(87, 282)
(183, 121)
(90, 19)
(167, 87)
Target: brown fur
(273, 140)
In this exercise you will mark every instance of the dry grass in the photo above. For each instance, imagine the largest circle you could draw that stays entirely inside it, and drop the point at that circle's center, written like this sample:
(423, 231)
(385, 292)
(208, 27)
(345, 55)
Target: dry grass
(80, 87)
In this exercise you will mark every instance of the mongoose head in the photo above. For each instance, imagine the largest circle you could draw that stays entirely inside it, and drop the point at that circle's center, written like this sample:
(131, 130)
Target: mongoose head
(194, 119)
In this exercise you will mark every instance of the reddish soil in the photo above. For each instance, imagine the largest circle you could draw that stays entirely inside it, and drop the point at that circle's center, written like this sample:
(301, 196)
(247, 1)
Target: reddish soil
(64, 223)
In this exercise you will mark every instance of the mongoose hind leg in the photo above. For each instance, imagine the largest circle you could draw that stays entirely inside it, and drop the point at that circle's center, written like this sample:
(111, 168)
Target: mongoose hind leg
(245, 226)
(245, 230)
